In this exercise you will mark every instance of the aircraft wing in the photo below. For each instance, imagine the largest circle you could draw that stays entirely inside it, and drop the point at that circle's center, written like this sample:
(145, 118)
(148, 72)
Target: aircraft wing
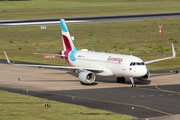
(58, 67)
(48, 54)
(156, 60)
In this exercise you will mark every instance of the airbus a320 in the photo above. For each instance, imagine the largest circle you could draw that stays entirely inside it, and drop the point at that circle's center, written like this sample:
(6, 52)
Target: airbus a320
(88, 64)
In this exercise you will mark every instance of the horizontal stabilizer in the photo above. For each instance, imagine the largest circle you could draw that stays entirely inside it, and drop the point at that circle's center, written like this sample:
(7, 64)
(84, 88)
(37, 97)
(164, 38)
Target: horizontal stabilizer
(48, 54)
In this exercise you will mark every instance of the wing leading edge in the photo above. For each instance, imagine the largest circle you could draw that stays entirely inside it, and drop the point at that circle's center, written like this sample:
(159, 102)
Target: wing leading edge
(156, 60)
(53, 66)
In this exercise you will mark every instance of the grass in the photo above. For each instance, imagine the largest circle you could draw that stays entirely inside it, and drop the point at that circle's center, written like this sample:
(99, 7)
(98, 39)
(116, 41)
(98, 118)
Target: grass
(170, 39)
(106, 36)
(11, 41)
(24, 107)
(71, 8)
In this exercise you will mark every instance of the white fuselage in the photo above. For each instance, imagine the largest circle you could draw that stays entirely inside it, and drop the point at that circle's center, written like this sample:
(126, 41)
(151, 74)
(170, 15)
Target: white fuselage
(112, 64)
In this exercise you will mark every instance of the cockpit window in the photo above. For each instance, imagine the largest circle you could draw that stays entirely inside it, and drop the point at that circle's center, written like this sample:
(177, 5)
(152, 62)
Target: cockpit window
(136, 63)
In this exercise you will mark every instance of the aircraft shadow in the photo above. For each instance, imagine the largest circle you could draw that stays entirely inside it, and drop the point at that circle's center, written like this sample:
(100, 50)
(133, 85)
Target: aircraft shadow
(111, 79)
(93, 84)
(138, 82)
(105, 79)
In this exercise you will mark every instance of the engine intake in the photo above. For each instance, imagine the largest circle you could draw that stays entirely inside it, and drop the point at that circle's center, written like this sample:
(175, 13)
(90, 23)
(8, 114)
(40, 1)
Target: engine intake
(87, 77)
(145, 77)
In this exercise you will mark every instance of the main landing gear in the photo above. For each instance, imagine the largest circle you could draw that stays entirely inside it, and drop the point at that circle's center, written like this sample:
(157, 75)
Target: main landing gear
(132, 81)
(120, 80)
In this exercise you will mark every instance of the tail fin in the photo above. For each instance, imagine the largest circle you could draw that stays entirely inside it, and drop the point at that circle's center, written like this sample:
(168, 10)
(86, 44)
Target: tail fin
(67, 40)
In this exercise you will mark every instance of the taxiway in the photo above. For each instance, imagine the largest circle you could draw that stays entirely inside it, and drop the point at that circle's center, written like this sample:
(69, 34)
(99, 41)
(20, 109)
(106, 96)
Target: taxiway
(158, 96)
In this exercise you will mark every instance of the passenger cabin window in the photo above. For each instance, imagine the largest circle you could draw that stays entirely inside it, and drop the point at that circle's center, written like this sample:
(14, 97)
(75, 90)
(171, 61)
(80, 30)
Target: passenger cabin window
(136, 63)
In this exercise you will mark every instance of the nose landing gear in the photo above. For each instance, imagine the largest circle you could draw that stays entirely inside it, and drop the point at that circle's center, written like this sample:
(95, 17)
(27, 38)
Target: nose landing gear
(132, 82)
(122, 80)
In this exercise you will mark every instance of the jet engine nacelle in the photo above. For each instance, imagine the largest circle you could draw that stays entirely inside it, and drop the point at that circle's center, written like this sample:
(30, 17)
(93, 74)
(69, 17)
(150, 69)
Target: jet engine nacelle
(145, 77)
(87, 77)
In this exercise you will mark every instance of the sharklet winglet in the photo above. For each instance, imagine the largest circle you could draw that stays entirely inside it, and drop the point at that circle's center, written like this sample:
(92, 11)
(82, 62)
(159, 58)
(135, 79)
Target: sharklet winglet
(7, 57)
(156, 60)
(173, 50)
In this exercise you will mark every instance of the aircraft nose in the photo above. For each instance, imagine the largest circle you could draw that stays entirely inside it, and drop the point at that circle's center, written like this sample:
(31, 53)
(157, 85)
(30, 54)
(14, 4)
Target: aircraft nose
(140, 71)
(143, 71)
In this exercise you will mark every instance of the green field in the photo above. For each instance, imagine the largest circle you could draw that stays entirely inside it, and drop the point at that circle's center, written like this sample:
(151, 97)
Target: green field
(71, 8)
(24, 107)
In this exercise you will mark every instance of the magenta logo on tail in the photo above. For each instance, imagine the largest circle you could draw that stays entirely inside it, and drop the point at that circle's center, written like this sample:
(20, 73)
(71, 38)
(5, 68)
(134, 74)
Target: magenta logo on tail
(68, 48)
(67, 43)
(66, 55)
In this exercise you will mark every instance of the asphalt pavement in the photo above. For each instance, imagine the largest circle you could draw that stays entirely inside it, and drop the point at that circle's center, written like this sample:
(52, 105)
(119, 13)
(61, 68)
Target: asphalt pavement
(141, 102)
(89, 19)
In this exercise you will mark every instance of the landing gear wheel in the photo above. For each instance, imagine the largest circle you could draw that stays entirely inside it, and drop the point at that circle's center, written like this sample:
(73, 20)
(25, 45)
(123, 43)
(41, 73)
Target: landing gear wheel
(123, 80)
(133, 85)
(118, 79)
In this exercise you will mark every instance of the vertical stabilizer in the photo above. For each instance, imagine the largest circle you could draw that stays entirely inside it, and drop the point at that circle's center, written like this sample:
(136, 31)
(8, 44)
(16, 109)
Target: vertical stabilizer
(67, 40)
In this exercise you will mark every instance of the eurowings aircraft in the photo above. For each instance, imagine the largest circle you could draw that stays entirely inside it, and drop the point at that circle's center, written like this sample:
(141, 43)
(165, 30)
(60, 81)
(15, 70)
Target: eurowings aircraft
(88, 64)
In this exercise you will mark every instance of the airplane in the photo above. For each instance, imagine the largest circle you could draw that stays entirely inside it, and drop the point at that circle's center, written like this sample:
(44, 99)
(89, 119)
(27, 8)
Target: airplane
(88, 64)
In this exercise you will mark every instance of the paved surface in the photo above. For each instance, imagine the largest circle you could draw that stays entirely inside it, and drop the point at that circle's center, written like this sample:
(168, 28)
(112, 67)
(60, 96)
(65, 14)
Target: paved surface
(172, 117)
(158, 96)
(90, 19)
